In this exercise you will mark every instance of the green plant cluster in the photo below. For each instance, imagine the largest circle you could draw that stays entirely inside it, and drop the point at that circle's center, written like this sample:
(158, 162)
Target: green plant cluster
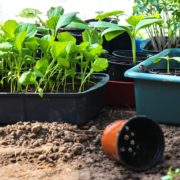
(49, 63)
(167, 33)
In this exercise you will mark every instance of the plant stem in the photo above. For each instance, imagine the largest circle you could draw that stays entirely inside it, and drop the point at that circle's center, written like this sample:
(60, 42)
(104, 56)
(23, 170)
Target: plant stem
(84, 80)
(133, 42)
(168, 65)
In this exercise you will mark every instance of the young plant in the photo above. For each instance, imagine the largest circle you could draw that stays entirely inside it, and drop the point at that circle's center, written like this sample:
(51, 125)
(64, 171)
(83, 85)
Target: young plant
(171, 175)
(17, 52)
(168, 60)
(31, 13)
(134, 25)
(58, 66)
(57, 19)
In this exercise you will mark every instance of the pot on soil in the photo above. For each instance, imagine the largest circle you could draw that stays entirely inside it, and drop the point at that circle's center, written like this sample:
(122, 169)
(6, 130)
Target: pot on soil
(157, 95)
(120, 90)
(76, 108)
(138, 143)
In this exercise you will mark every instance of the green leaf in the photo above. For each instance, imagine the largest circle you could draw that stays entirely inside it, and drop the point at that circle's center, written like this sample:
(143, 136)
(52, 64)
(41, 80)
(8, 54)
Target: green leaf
(176, 58)
(27, 78)
(55, 11)
(6, 46)
(26, 54)
(32, 43)
(20, 40)
(134, 20)
(95, 49)
(70, 47)
(146, 23)
(42, 65)
(157, 60)
(29, 13)
(112, 32)
(103, 24)
(63, 63)
(51, 23)
(4, 55)
(66, 36)
(9, 28)
(44, 45)
(108, 14)
(66, 19)
(92, 36)
(83, 46)
(71, 72)
(58, 48)
(31, 29)
(100, 64)
(78, 25)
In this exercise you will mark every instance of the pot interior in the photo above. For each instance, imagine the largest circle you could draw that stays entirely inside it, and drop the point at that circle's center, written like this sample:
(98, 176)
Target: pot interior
(141, 143)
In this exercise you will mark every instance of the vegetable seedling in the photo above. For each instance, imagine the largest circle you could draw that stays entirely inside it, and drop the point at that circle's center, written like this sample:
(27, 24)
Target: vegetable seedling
(134, 25)
(168, 60)
(31, 13)
(171, 174)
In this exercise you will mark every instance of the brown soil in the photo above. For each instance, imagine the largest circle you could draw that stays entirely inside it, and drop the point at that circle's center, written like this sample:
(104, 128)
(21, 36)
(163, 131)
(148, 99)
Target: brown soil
(35, 150)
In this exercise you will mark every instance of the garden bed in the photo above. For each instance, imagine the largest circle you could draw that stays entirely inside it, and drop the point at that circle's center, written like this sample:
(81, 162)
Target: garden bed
(36, 150)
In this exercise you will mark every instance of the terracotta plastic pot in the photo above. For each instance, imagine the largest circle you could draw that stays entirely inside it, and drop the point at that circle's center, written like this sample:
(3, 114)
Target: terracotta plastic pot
(137, 143)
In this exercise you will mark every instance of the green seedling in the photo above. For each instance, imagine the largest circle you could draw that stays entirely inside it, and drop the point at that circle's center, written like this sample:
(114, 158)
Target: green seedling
(134, 25)
(58, 19)
(171, 175)
(168, 60)
(31, 13)
(17, 52)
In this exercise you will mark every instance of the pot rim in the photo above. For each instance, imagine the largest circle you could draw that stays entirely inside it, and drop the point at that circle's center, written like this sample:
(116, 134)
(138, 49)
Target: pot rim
(104, 78)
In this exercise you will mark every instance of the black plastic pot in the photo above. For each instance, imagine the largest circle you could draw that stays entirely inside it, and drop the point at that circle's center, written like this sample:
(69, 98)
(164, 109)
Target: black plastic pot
(138, 143)
(121, 61)
(75, 108)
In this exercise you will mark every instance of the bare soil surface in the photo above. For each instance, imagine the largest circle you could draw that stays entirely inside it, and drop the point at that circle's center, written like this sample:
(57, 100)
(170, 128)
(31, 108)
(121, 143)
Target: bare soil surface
(50, 151)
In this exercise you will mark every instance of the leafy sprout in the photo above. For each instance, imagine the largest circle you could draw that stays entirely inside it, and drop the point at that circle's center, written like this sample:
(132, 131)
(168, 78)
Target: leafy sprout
(31, 13)
(168, 60)
(171, 175)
